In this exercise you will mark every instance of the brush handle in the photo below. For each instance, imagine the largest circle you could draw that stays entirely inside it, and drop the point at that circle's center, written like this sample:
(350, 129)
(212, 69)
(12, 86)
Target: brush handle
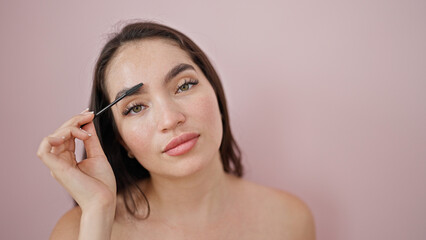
(127, 93)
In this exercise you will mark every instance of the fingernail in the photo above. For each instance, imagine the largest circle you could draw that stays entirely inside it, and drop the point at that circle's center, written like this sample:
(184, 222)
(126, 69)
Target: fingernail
(88, 113)
(85, 110)
(86, 132)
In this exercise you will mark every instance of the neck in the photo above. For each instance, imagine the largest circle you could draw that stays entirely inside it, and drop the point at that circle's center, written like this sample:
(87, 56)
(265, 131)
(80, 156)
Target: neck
(199, 197)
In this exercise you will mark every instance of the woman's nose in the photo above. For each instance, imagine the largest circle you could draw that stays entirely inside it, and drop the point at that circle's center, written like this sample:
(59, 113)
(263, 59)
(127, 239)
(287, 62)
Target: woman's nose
(169, 116)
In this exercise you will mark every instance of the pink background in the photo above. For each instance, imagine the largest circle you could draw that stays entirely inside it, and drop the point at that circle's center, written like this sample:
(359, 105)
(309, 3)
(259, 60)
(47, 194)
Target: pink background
(327, 100)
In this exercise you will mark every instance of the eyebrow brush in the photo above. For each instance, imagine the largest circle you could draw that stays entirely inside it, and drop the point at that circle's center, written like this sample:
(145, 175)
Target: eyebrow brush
(127, 93)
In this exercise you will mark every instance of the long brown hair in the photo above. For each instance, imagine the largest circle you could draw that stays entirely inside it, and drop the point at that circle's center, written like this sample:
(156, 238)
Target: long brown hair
(128, 171)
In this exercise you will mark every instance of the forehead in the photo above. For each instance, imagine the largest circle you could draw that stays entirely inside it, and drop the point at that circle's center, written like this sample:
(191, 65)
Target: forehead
(144, 61)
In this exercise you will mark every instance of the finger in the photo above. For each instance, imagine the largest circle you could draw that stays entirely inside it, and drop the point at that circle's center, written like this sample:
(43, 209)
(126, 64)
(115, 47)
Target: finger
(48, 158)
(92, 145)
(68, 155)
(45, 147)
(68, 137)
(55, 141)
(80, 119)
(71, 132)
(58, 144)
(68, 130)
(68, 146)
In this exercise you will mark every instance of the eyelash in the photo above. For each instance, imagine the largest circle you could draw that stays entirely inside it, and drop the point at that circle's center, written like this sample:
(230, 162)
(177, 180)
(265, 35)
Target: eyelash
(191, 82)
(131, 108)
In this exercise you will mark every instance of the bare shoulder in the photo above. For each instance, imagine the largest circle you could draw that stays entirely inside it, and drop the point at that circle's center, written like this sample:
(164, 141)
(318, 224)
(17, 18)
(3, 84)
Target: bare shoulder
(281, 210)
(68, 226)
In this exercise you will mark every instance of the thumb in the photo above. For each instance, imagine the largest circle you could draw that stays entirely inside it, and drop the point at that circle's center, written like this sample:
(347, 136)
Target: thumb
(92, 145)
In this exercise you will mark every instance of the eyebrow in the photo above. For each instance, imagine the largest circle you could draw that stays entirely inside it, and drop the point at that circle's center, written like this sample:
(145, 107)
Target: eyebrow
(176, 70)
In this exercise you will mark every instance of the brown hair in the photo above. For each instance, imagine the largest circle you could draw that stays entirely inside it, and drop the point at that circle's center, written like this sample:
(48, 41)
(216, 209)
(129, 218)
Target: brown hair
(128, 171)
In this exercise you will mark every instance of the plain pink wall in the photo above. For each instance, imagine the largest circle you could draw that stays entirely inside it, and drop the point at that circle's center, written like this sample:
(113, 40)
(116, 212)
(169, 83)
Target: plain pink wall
(327, 100)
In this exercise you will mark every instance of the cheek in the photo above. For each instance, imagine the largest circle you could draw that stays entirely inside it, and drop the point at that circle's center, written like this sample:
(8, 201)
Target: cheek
(136, 136)
(207, 109)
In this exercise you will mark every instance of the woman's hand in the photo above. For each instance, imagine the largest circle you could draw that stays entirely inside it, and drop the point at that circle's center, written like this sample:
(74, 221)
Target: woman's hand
(90, 182)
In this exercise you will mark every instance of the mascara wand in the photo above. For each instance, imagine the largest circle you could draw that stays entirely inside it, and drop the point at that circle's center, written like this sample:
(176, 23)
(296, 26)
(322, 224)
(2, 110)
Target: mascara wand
(127, 93)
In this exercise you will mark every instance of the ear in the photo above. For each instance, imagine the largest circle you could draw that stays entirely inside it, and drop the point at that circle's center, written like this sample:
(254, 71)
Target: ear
(129, 153)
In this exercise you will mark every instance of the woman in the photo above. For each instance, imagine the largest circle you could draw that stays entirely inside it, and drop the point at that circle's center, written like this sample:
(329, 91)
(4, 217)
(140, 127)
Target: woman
(162, 163)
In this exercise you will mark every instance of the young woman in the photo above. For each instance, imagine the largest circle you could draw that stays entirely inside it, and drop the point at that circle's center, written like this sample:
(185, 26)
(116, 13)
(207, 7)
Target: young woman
(162, 163)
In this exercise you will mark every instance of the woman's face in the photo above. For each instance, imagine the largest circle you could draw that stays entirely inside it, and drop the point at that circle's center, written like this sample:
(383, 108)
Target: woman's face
(173, 124)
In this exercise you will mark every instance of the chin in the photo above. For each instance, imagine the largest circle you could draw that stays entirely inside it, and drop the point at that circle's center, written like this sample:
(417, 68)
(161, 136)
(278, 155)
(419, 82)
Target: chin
(187, 166)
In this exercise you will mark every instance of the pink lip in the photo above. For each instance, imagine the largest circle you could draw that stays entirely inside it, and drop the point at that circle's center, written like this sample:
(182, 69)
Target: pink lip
(181, 144)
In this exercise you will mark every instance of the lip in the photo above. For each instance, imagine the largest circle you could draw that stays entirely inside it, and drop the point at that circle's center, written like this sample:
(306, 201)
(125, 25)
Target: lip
(181, 144)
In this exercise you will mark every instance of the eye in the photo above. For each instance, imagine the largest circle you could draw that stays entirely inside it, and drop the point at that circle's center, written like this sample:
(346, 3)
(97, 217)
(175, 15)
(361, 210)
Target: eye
(137, 109)
(134, 109)
(188, 84)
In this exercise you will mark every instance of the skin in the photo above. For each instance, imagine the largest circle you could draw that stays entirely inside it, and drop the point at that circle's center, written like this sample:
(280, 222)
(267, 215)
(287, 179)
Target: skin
(191, 196)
